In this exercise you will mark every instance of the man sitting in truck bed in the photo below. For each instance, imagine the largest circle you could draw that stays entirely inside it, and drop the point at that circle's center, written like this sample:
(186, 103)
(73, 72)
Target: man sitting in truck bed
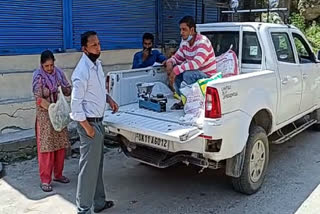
(194, 60)
(147, 57)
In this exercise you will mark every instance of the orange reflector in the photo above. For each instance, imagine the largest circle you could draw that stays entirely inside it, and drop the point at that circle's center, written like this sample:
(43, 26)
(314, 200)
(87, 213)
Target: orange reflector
(205, 136)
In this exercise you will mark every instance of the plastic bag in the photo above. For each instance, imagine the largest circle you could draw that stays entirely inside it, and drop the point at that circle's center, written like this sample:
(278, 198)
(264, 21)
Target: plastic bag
(160, 88)
(227, 63)
(195, 98)
(193, 107)
(59, 112)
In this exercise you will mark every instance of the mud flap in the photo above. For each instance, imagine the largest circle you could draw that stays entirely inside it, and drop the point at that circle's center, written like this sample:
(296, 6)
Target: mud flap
(234, 165)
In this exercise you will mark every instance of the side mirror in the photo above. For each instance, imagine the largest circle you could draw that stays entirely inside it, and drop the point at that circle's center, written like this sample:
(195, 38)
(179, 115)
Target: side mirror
(283, 56)
(318, 55)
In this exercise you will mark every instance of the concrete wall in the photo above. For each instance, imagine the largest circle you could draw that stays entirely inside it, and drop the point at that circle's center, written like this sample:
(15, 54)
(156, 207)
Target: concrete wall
(16, 99)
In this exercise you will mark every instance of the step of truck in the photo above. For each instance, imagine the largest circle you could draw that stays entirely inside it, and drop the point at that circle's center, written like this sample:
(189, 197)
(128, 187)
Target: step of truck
(291, 130)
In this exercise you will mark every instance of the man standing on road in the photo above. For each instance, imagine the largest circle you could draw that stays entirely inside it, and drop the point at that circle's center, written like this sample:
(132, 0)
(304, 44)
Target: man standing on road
(88, 102)
(194, 60)
(147, 57)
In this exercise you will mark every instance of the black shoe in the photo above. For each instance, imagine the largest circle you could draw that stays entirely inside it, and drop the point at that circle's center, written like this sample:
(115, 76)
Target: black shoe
(107, 205)
(177, 106)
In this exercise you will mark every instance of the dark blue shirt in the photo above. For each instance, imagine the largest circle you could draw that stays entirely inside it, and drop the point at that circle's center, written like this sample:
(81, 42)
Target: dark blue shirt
(155, 56)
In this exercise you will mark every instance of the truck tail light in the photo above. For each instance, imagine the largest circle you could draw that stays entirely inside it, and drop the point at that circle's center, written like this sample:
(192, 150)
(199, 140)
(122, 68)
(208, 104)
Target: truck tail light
(212, 104)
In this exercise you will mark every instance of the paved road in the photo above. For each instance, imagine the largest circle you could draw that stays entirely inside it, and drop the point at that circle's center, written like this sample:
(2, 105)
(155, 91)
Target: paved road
(294, 173)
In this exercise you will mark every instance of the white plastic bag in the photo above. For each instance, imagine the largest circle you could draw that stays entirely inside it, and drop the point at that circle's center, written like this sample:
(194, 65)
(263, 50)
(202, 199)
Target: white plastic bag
(227, 63)
(59, 112)
(195, 98)
(160, 88)
(193, 108)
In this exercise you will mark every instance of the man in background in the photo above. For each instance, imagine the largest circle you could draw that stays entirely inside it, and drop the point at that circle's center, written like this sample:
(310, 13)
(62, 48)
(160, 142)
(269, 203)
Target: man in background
(147, 57)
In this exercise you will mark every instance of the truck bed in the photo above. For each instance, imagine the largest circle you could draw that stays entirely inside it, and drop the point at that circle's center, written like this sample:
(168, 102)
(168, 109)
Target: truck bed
(164, 125)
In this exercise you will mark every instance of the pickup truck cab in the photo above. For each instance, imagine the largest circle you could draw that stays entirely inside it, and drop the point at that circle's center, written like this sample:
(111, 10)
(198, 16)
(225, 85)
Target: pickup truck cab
(275, 96)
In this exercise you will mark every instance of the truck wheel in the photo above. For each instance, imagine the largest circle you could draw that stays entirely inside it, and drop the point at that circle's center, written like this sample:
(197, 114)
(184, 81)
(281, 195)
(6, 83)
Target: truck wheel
(255, 162)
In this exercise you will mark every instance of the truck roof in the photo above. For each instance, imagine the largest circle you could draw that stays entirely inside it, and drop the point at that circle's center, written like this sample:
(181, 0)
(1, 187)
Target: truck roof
(238, 24)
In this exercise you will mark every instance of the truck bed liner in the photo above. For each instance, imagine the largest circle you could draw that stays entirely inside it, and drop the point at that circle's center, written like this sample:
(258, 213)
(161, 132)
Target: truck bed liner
(163, 125)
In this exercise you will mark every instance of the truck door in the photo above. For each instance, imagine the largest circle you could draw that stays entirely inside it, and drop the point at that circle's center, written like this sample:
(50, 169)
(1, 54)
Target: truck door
(308, 67)
(289, 74)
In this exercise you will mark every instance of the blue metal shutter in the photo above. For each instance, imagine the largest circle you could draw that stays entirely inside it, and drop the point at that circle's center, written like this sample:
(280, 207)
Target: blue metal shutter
(211, 12)
(30, 26)
(120, 24)
(172, 12)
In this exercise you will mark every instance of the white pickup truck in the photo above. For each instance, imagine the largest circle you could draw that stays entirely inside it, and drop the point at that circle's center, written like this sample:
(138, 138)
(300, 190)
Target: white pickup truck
(275, 96)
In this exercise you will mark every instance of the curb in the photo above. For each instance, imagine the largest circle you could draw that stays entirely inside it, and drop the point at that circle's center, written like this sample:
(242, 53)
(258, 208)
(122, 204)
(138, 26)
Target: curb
(18, 146)
(1, 170)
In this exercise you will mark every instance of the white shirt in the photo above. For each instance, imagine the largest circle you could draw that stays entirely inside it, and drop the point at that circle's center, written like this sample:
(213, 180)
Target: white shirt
(88, 97)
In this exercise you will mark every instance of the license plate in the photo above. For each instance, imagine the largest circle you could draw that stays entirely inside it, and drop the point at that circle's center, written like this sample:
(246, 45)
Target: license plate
(152, 141)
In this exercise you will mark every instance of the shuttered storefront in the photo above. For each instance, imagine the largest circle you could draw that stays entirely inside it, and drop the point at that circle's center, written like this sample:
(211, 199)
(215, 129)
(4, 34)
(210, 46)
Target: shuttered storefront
(30, 26)
(120, 24)
(211, 12)
(174, 10)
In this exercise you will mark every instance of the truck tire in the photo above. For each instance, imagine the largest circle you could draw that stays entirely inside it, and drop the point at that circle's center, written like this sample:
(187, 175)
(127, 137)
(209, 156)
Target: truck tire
(255, 162)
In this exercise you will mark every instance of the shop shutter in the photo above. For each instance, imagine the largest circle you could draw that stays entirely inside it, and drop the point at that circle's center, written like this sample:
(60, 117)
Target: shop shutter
(30, 26)
(120, 24)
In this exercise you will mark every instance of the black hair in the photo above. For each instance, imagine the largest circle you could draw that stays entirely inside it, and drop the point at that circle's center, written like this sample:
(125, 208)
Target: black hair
(189, 20)
(46, 55)
(85, 36)
(148, 36)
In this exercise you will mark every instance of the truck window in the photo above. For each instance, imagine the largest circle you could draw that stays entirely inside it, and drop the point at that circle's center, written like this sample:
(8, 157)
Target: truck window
(304, 53)
(251, 49)
(283, 48)
(222, 40)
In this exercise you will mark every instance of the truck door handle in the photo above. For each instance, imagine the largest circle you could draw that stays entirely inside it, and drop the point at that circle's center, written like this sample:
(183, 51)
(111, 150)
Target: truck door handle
(285, 80)
(305, 76)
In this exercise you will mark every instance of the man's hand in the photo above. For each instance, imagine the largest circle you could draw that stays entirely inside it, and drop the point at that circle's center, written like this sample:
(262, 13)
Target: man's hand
(114, 106)
(88, 128)
(145, 54)
(91, 132)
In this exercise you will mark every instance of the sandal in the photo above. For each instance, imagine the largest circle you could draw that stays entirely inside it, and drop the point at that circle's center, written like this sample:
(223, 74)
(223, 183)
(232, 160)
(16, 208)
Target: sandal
(46, 187)
(177, 106)
(63, 180)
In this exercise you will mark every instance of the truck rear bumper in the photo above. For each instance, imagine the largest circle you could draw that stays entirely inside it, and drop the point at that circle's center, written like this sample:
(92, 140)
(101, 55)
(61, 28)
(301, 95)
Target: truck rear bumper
(232, 134)
(163, 159)
(196, 145)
